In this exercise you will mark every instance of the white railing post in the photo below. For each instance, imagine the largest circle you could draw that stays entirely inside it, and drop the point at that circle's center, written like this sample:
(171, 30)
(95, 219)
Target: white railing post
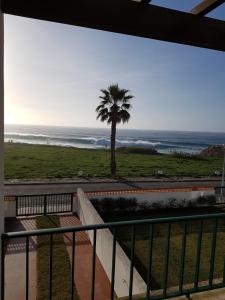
(1, 131)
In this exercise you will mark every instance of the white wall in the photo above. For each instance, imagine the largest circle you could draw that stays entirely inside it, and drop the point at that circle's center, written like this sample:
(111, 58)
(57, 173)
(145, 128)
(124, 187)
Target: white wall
(88, 215)
(10, 206)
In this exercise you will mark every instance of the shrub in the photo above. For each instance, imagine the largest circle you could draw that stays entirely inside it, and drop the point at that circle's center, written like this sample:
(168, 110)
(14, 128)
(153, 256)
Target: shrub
(108, 204)
(184, 155)
(206, 199)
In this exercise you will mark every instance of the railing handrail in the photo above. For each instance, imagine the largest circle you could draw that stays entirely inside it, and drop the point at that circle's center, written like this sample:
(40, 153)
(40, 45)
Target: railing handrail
(42, 195)
(40, 232)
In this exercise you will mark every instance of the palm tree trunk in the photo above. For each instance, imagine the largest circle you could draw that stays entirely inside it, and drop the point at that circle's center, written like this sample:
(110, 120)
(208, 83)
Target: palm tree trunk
(113, 148)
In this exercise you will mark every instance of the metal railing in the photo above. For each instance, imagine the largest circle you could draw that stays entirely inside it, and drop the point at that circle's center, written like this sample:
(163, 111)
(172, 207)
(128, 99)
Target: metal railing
(185, 224)
(27, 205)
(220, 194)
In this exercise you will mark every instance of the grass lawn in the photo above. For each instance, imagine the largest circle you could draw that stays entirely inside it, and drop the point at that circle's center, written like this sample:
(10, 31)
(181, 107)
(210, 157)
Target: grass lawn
(61, 270)
(159, 247)
(41, 161)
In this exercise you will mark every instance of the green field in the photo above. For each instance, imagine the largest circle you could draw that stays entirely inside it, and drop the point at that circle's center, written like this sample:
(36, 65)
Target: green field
(61, 269)
(39, 161)
(159, 246)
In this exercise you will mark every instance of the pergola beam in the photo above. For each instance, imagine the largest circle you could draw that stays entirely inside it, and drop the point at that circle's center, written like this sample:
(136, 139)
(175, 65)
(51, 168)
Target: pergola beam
(146, 1)
(206, 6)
(127, 17)
(142, 1)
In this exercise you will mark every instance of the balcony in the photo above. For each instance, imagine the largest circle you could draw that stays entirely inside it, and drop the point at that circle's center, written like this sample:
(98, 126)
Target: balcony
(183, 255)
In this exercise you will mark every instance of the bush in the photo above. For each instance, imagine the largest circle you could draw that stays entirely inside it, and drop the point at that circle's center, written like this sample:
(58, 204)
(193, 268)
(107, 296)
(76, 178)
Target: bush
(108, 204)
(184, 155)
(206, 199)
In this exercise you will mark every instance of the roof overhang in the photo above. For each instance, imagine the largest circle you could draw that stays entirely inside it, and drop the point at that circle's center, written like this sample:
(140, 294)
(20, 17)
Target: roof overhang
(126, 17)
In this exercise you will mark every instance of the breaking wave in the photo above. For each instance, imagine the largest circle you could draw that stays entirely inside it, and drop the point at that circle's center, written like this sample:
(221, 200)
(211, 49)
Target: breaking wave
(163, 141)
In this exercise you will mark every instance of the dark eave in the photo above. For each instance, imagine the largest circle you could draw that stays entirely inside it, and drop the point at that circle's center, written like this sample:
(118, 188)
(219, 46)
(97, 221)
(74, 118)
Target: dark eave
(127, 17)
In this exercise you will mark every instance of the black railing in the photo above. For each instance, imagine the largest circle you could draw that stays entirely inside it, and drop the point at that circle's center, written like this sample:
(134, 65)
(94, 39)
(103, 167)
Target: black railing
(207, 234)
(27, 205)
(220, 194)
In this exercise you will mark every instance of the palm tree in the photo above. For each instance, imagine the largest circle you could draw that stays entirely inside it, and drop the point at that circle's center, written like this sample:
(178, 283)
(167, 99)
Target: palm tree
(114, 108)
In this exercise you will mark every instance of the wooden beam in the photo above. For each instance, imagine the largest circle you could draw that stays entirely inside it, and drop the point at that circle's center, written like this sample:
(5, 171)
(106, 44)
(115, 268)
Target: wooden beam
(206, 6)
(146, 1)
(142, 1)
(127, 17)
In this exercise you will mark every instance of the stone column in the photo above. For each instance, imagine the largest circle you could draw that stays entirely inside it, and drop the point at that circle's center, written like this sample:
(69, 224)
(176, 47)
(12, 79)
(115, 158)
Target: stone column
(1, 129)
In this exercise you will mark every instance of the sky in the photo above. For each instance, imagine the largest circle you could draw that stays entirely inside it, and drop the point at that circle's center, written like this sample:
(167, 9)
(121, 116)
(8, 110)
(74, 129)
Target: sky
(54, 73)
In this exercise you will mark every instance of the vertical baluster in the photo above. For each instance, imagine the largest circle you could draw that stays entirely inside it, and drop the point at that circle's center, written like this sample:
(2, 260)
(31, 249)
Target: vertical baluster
(113, 263)
(36, 207)
(71, 202)
(50, 204)
(224, 271)
(213, 251)
(149, 264)
(73, 265)
(23, 208)
(93, 265)
(27, 268)
(33, 201)
(28, 204)
(166, 262)
(132, 261)
(16, 206)
(50, 266)
(198, 255)
(183, 255)
(3, 270)
(21, 205)
(45, 205)
(39, 206)
(66, 208)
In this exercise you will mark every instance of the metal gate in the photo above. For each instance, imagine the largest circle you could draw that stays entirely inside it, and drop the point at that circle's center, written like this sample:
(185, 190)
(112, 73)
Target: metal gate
(220, 195)
(28, 205)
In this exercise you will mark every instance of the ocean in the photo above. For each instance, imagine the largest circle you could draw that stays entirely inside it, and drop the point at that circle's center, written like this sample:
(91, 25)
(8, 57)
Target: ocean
(95, 138)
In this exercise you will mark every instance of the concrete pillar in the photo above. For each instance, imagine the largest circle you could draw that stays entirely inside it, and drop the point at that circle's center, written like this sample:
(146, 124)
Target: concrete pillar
(1, 127)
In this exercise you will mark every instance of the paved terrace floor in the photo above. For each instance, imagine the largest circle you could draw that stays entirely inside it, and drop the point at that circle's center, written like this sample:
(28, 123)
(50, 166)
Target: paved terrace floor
(15, 262)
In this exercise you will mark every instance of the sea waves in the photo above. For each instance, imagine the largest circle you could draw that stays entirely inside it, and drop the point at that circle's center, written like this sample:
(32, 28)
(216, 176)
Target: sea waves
(162, 141)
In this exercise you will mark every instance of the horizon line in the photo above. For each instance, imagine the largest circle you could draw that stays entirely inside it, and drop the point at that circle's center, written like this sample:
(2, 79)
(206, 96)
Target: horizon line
(108, 128)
